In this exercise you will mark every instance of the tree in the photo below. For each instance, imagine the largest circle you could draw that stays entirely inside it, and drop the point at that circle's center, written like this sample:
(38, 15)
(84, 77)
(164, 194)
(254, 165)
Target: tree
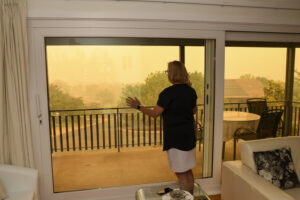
(59, 100)
(296, 96)
(154, 84)
(149, 91)
(273, 90)
(129, 90)
(197, 80)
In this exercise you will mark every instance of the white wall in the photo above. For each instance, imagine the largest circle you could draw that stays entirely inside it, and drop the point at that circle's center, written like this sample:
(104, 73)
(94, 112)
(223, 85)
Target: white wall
(228, 17)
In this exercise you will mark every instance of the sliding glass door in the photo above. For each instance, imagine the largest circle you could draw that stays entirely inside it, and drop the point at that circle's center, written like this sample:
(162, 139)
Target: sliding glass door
(96, 141)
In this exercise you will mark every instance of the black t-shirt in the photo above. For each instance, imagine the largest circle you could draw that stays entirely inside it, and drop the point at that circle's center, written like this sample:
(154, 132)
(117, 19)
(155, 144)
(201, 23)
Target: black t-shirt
(178, 100)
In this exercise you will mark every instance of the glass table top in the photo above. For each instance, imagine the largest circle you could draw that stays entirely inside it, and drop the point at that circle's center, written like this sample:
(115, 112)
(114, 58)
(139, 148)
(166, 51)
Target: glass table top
(150, 193)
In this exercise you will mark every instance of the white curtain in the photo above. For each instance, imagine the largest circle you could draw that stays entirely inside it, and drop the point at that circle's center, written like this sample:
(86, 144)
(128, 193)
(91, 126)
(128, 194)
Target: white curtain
(15, 130)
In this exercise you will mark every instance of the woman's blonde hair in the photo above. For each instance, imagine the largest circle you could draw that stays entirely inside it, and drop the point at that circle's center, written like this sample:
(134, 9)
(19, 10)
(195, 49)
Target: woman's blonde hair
(177, 72)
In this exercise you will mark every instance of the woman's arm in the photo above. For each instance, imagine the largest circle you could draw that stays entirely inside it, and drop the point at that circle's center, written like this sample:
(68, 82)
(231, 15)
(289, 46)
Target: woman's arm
(135, 103)
(155, 112)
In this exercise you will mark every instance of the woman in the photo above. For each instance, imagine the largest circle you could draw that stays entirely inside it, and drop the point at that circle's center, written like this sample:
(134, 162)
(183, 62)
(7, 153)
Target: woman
(177, 104)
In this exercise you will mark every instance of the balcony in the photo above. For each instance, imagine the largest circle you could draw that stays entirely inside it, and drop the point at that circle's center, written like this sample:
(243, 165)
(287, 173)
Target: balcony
(120, 128)
(83, 141)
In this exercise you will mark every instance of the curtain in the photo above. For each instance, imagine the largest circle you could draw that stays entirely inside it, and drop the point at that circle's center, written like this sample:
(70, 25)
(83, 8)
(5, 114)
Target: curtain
(15, 130)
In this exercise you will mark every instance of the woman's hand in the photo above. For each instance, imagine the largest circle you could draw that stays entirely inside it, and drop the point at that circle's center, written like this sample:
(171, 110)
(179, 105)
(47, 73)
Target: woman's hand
(133, 103)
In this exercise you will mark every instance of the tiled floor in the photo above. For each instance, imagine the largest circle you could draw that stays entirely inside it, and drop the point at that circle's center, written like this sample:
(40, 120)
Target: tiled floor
(109, 168)
(87, 170)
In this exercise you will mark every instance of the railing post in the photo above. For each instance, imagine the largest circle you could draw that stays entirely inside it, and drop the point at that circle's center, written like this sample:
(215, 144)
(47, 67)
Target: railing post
(118, 130)
(288, 117)
(289, 83)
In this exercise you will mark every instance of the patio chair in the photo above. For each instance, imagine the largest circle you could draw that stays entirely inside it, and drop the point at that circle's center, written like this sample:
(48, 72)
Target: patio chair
(257, 105)
(199, 131)
(267, 127)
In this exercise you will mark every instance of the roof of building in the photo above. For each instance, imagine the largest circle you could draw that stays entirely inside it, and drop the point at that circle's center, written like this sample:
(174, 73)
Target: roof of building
(243, 88)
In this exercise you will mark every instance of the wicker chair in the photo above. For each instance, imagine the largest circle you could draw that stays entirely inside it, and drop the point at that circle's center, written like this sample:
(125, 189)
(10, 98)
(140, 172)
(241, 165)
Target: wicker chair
(267, 127)
(257, 105)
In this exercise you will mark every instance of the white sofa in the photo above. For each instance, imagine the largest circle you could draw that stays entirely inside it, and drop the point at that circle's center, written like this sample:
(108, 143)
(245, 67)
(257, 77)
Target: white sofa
(20, 183)
(240, 180)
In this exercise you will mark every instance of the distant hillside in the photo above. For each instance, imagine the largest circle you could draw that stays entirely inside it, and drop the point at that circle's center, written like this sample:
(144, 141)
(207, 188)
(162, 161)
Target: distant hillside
(102, 95)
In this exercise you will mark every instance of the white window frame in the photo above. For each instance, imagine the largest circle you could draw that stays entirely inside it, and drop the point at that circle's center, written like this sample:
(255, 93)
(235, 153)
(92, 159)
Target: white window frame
(262, 37)
(39, 29)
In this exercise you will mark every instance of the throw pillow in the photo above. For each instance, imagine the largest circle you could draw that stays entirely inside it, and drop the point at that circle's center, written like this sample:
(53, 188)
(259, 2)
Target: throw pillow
(3, 194)
(277, 167)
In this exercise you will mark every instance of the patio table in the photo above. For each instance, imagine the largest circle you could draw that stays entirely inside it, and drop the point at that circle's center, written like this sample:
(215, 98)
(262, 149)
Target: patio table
(233, 120)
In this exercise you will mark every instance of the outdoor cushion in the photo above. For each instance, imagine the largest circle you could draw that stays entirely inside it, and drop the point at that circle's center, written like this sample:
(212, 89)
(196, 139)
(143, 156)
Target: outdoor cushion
(277, 167)
(247, 149)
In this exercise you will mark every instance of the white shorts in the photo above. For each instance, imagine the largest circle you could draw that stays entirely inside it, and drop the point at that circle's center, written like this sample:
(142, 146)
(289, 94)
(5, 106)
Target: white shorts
(181, 161)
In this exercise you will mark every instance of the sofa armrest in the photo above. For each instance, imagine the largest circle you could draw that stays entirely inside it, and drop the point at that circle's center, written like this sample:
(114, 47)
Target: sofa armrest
(18, 179)
(240, 182)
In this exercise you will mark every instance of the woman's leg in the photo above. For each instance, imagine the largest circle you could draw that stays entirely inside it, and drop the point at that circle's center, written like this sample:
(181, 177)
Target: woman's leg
(186, 180)
(191, 180)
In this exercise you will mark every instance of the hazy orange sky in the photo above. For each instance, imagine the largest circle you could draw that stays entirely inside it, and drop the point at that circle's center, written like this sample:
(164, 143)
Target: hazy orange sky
(117, 64)
(131, 64)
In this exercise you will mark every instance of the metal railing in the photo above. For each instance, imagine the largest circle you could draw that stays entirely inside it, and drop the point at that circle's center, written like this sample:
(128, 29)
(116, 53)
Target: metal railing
(295, 129)
(107, 128)
(116, 128)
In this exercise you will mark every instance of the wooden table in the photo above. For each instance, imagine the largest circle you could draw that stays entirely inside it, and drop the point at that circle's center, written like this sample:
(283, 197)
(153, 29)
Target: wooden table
(233, 120)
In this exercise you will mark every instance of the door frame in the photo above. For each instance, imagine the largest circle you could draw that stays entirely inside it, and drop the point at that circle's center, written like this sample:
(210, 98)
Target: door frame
(39, 97)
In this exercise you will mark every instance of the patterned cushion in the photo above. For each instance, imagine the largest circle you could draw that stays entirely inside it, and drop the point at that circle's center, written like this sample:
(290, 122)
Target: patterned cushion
(277, 167)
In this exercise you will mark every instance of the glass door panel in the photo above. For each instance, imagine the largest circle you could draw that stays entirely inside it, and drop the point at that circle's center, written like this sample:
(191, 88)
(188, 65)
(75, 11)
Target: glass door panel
(252, 72)
(96, 140)
(195, 62)
(296, 97)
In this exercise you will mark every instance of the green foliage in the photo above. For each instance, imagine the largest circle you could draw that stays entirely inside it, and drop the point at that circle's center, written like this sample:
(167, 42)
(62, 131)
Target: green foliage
(129, 91)
(296, 93)
(148, 91)
(274, 90)
(59, 100)
(154, 84)
(197, 80)
(101, 95)
(104, 96)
